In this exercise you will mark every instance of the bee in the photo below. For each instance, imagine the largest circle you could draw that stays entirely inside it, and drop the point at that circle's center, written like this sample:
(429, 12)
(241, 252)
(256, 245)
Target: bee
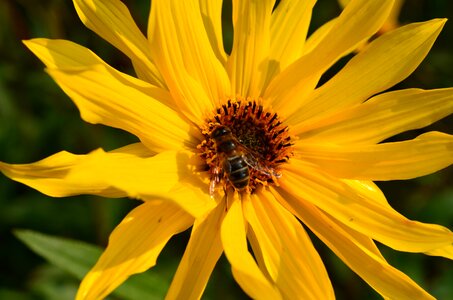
(235, 160)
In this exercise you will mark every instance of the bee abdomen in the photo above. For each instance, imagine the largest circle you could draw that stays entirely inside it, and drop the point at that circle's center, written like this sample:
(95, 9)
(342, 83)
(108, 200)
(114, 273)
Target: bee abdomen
(238, 172)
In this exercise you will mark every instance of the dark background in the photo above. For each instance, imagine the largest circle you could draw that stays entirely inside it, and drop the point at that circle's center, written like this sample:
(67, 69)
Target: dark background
(37, 119)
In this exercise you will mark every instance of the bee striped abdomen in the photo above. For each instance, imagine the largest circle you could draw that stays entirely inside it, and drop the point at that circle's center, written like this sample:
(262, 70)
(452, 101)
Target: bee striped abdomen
(238, 172)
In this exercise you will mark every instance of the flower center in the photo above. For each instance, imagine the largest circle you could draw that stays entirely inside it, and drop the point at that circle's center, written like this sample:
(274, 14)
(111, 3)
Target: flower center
(244, 146)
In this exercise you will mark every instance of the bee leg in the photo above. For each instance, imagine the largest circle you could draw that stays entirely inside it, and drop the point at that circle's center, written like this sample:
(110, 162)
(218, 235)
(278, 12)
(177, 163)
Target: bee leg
(217, 174)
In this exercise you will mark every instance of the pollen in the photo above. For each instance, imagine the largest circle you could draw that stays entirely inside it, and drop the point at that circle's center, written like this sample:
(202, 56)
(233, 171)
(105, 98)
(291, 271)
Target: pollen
(258, 137)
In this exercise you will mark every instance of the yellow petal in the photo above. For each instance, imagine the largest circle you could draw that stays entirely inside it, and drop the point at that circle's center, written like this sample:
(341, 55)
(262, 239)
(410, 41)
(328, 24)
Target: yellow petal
(318, 36)
(134, 246)
(289, 26)
(360, 20)
(355, 251)
(382, 117)
(363, 214)
(289, 256)
(446, 252)
(247, 64)
(189, 195)
(392, 21)
(112, 21)
(200, 257)
(137, 149)
(182, 51)
(383, 63)
(56, 175)
(423, 155)
(211, 12)
(62, 54)
(245, 270)
(125, 103)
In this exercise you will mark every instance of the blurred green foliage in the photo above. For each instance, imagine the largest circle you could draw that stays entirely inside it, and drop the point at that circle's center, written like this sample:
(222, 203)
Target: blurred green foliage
(37, 119)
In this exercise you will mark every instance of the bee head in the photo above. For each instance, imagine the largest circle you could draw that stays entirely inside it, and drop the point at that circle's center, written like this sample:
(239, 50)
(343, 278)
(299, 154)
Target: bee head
(220, 131)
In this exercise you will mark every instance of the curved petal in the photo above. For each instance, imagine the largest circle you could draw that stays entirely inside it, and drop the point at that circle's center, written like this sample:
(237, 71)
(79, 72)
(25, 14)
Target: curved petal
(370, 190)
(63, 174)
(248, 62)
(289, 27)
(112, 21)
(289, 256)
(119, 173)
(355, 251)
(182, 51)
(125, 103)
(353, 208)
(318, 36)
(211, 12)
(244, 267)
(63, 55)
(134, 246)
(137, 149)
(423, 155)
(383, 63)
(200, 257)
(358, 21)
(382, 117)
(392, 21)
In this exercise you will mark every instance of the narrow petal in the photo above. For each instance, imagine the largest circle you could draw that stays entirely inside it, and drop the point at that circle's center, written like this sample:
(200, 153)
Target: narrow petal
(370, 190)
(211, 12)
(289, 27)
(355, 251)
(112, 21)
(245, 270)
(134, 246)
(100, 173)
(120, 173)
(248, 62)
(318, 36)
(63, 55)
(200, 257)
(358, 21)
(125, 103)
(182, 50)
(363, 214)
(289, 255)
(382, 117)
(423, 155)
(383, 63)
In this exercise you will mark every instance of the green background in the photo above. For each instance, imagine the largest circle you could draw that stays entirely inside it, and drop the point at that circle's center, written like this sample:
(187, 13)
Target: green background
(37, 119)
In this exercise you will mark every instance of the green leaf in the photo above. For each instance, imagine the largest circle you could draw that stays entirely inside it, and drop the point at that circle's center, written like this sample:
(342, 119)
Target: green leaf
(77, 258)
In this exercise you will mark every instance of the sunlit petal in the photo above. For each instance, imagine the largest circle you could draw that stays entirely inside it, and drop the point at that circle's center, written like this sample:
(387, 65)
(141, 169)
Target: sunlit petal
(360, 20)
(383, 63)
(423, 155)
(66, 55)
(382, 117)
(112, 21)
(202, 252)
(289, 27)
(289, 256)
(248, 62)
(211, 12)
(376, 220)
(182, 49)
(245, 270)
(356, 251)
(134, 246)
(125, 103)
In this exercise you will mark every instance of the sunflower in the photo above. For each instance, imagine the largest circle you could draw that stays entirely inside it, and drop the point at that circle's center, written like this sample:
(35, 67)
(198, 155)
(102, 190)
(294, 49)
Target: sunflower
(248, 146)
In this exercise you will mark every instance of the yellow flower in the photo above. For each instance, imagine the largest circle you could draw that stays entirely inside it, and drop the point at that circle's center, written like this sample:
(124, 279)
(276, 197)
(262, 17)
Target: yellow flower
(305, 152)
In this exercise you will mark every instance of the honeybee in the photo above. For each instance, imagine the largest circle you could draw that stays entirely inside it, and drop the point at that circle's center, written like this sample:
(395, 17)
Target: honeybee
(234, 160)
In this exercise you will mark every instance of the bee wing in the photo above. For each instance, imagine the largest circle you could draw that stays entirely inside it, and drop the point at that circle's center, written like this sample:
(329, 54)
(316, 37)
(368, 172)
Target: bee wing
(253, 162)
